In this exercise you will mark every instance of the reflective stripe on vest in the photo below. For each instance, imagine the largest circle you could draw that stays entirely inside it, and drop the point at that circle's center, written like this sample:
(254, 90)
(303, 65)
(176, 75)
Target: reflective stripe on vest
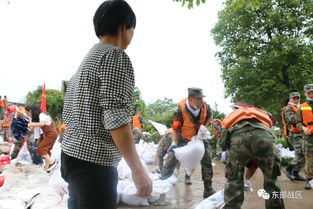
(246, 113)
(293, 128)
(188, 128)
(307, 115)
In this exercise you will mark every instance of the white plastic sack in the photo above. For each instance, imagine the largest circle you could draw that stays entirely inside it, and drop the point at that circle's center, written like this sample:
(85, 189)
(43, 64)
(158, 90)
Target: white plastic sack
(215, 201)
(124, 171)
(23, 154)
(146, 151)
(129, 196)
(285, 152)
(191, 154)
(56, 151)
(58, 183)
(160, 187)
(12, 202)
(159, 127)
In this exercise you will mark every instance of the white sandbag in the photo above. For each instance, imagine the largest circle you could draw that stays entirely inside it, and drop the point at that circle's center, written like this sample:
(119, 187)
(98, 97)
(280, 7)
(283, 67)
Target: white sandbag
(159, 127)
(119, 189)
(12, 203)
(146, 151)
(191, 154)
(129, 196)
(215, 201)
(58, 183)
(124, 171)
(56, 151)
(23, 154)
(172, 180)
(48, 199)
(285, 152)
(160, 187)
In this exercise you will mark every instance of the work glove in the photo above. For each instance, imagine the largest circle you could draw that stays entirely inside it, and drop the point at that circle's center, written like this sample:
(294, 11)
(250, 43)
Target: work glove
(172, 147)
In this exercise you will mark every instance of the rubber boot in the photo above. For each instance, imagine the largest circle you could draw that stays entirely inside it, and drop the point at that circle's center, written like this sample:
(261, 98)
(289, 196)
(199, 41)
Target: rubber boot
(307, 186)
(297, 176)
(187, 180)
(208, 190)
(289, 173)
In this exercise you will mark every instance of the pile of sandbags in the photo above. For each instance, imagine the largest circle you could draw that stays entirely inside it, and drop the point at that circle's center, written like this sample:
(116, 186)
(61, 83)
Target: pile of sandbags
(26, 186)
(146, 151)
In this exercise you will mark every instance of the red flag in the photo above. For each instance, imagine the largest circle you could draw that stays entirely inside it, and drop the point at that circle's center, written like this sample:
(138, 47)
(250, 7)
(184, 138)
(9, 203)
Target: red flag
(43, 104)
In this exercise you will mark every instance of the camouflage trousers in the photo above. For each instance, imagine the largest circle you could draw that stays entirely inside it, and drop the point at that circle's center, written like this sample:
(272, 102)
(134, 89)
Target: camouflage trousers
(137, 134)
(206, 163)
(298, 161)
(246, 145)
(308, 153)
(216, 150)
(163, 146)
(19, 144)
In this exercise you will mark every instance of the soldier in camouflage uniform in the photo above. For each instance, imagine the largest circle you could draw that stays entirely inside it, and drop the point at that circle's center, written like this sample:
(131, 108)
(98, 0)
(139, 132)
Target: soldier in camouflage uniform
(305, 124)
(162, 149)
(137, 133)
(191, 113)
(294, 137)
(248, 137)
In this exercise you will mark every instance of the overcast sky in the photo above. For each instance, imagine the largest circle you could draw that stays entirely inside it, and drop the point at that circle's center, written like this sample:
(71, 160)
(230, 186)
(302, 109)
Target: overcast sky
(172, 49)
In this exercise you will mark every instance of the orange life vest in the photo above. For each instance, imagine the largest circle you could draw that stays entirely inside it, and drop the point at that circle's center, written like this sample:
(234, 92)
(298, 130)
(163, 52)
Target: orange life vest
(6, 123)
(293, 128)
(136, 122)
(188, 128)
(1, 103)
(214, 128)
(307, 116)
(246, 113)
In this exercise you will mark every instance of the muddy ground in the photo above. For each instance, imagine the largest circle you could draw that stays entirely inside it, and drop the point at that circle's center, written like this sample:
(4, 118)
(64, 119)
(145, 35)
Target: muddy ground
(187, 197)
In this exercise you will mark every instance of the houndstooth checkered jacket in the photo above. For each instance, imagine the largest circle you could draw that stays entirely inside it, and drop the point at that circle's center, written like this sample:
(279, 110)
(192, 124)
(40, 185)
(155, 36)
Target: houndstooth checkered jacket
(98, 99)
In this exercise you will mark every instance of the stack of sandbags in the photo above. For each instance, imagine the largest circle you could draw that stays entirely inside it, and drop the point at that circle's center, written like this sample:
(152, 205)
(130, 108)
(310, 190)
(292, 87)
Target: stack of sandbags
(27, 184)
(146, 151)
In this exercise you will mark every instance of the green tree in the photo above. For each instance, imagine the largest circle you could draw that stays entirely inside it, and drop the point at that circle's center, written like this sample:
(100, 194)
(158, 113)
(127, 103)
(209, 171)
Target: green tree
(55, 100)
(266, 52)
(140, 105)
(235, 4)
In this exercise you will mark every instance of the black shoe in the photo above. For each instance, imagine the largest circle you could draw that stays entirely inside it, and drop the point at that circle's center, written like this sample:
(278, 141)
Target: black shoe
(289, 173)
(187, 180)
(208, 192)
(298, 177)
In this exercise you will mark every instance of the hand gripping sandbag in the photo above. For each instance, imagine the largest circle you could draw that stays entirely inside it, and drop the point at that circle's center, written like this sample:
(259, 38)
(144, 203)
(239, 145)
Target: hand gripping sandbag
(191, 154)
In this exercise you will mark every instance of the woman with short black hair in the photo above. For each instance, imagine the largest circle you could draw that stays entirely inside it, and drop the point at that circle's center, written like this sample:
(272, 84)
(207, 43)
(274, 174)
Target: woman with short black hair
(97, 110)
(45, 122)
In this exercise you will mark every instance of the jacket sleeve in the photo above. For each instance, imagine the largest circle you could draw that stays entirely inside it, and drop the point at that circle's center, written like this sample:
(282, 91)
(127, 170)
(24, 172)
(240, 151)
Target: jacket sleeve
(290, 116)
(299, 120)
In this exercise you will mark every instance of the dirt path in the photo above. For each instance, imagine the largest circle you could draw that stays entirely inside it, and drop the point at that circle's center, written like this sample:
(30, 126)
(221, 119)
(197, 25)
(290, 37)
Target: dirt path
(187, 197)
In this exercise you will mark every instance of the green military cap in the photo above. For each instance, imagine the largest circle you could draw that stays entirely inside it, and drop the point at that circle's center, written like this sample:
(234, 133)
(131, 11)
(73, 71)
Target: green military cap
(308, 87)
(195, 92)
(294, 94)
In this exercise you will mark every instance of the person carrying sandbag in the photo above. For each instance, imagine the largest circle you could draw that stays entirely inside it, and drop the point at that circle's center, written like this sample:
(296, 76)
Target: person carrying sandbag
(192, 112)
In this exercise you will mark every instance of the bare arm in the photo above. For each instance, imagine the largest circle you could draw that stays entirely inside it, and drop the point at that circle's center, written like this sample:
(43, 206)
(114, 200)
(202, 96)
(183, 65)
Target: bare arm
(124, 141)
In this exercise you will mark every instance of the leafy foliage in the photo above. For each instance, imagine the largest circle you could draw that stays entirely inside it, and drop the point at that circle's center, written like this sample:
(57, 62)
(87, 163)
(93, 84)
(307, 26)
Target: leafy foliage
(140, 105)
(266, 51)
(55, 100)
